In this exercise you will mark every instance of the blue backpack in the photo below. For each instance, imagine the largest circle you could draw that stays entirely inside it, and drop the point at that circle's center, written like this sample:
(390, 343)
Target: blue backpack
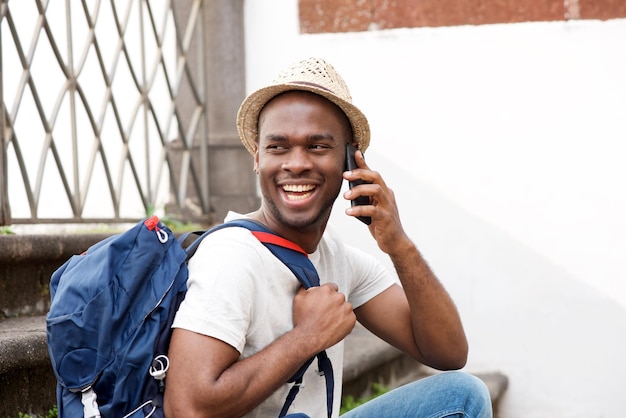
(111, 312)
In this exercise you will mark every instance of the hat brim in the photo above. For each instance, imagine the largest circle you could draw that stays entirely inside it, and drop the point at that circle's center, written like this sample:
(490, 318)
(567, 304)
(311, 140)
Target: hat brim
(248, 115)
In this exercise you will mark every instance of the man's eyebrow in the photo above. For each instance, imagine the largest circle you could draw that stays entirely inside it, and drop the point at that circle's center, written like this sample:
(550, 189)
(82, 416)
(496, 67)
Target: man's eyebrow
(317, 137)
(312, 137)
(275, 137)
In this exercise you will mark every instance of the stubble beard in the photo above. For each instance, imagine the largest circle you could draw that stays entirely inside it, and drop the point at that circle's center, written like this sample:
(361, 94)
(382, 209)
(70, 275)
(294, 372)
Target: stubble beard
(323, 213)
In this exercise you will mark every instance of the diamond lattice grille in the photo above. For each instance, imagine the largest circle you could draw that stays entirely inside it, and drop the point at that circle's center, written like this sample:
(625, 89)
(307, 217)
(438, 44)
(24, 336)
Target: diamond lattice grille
(103, 110)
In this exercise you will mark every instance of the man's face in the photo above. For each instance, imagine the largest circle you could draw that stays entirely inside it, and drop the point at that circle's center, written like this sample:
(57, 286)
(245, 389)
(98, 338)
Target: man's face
(300, 158)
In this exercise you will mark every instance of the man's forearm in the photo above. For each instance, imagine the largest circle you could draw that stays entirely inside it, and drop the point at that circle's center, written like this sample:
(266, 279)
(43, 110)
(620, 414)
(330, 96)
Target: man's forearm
(194, 389)
(436, 323)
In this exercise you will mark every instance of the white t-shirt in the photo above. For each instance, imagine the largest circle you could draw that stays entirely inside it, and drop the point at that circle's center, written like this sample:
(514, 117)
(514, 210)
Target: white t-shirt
(240, 293)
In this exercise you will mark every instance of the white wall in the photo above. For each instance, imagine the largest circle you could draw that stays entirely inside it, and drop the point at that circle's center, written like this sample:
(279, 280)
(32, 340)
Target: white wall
(504, 144)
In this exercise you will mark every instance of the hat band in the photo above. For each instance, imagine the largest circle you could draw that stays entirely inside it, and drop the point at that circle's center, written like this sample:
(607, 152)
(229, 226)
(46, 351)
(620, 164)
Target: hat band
(308, 83)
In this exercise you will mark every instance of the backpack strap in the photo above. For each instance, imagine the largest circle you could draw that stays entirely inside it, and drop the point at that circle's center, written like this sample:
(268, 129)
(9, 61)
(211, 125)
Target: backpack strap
(297, 260)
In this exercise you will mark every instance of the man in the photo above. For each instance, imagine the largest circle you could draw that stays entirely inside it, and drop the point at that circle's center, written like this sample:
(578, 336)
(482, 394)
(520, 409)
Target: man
(246, 325)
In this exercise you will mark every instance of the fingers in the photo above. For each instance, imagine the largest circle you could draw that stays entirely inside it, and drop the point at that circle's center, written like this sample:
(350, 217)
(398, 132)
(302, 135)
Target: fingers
(323, 314)
(332, 286)
(382, 208)
(381, 200)
(363, 172)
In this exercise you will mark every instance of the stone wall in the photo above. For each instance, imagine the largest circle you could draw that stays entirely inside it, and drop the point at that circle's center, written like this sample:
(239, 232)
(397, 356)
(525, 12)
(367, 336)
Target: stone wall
(323, 16)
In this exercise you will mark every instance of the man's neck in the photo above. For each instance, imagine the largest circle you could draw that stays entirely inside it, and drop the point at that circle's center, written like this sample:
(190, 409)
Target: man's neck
(307, 237)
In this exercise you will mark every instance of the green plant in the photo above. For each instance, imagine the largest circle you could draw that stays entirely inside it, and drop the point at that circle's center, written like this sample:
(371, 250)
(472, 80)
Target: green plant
(6, 230)
(52, 413)
(174, 223)
(348, 402)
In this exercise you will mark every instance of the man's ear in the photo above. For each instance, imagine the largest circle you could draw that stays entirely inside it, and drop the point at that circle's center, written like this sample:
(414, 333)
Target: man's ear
(256, 157)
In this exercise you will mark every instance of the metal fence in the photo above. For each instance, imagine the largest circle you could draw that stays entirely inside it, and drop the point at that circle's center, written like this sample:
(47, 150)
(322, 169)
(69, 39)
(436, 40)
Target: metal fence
(104, 116)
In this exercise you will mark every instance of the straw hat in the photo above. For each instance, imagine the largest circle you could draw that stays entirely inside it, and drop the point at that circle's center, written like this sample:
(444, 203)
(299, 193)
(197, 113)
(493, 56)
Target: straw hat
(314, 75)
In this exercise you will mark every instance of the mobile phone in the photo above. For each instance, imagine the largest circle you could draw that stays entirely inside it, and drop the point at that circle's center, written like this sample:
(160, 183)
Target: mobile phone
(361, 200)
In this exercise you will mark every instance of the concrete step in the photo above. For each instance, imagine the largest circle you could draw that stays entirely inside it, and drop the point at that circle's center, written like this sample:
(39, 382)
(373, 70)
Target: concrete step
(27, 383)
(369, 360)
(26, 264)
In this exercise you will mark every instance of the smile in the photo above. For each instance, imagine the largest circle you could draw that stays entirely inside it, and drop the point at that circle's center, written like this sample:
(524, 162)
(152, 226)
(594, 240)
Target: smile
(297, 192)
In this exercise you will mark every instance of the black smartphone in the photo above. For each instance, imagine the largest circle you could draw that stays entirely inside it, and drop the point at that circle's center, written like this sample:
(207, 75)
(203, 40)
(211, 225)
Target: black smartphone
(361, 200)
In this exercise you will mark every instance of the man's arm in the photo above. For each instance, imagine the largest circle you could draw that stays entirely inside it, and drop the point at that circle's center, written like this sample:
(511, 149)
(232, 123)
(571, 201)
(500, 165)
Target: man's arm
(418, 317)
(206, 379)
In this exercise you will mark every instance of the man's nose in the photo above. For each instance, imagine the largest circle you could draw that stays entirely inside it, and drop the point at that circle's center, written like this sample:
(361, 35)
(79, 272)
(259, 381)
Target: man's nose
(298, 161)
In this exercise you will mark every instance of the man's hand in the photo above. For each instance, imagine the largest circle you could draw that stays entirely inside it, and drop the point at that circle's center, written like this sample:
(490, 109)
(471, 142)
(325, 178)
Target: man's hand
(322, 316)
(386, 227)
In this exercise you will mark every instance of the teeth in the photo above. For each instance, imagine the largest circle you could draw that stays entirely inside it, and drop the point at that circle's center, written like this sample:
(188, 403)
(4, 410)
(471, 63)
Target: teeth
(295, 197)
(299, 188)
(302, 190)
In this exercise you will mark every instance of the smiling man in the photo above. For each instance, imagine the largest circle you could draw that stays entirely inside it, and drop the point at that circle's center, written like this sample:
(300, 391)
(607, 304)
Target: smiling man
(300, 161)
(247, 326)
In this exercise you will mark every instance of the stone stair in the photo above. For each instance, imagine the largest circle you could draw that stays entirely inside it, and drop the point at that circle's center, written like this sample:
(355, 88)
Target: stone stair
(27, 384)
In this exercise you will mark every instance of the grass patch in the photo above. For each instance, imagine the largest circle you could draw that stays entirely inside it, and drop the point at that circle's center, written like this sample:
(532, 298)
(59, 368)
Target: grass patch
(6, 230)
(52, 413)
(348, 402)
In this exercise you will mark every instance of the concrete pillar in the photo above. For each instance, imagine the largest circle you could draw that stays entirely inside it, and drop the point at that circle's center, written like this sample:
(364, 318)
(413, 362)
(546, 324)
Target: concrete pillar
(217, 62)
(232, 180)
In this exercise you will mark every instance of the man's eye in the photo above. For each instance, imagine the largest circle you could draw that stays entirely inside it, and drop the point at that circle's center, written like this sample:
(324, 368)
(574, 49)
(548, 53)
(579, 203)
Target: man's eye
(318, 146)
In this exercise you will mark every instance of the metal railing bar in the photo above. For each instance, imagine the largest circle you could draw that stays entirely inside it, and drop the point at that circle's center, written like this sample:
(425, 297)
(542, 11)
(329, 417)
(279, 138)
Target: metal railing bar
(205, 168)
(96, 149)
(191, 133)
(92, 25)
(186, 163)
(127, 156)
(159, 39)
(143, 88)
(121, 26)
(187, 37)
(74, 219)
(5, 207)
(124, 134)
(47, 129)
(126, 54)
(194, 123)
(119, 125)
(53, 44)
(155, 32)
(20, 162)
(184, 42)
(49, 144)
(4, 8)
(57, 159)
(98, 139)
(120, 41)
(85, 53)
(19, 91)
(75, 202)
(165, 157)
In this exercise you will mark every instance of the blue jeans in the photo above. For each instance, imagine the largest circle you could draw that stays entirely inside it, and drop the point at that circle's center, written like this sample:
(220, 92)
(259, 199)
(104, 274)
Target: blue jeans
(450, 394)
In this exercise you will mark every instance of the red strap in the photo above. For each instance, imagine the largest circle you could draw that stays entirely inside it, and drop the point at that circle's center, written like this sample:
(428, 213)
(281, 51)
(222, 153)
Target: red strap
(276, 240)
